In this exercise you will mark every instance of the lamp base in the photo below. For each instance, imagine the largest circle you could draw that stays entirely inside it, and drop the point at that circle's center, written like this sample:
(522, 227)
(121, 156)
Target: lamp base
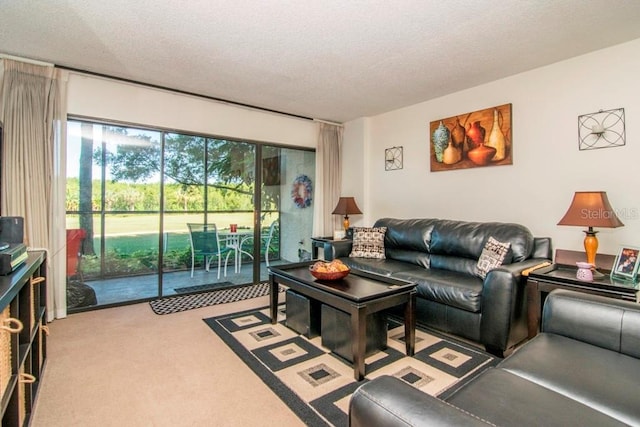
(591, 245)
(345, 223)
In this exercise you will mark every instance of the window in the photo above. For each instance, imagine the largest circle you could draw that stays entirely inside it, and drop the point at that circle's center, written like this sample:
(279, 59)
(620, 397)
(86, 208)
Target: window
(132, 191)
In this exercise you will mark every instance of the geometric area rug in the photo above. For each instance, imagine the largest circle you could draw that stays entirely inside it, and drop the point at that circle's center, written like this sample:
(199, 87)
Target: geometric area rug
(177, 303)
(317, 384)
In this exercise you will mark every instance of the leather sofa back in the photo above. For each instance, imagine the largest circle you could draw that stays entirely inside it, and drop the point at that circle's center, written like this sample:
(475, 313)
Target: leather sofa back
(450, 244)
(542, 248)
(610, 324)
(407, 234)
(467, 239)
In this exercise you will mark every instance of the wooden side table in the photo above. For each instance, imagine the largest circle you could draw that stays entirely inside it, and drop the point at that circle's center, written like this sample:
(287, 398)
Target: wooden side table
(542, 281)
(318, 243)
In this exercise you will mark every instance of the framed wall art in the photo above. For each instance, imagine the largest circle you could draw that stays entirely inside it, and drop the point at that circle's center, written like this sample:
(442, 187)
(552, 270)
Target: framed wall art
(476, 139)
(271, 171)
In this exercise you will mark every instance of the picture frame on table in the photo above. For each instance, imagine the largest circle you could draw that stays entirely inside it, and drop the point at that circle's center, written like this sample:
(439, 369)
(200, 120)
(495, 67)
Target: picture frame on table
(626, 263)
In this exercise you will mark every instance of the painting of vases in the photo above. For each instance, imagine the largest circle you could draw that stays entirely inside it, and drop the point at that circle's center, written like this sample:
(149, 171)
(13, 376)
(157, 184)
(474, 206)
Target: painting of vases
(477, 139)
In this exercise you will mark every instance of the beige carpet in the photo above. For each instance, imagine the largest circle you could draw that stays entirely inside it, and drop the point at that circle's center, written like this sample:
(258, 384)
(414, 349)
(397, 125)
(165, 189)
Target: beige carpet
(127, 366)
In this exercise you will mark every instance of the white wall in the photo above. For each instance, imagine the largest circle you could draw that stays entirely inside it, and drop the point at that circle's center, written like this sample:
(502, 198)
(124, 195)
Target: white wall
(130, 103)
(547, 165)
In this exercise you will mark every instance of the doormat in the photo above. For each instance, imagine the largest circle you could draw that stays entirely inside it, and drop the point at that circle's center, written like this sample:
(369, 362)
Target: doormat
(200, 288)
(175, 304)
(317, 385)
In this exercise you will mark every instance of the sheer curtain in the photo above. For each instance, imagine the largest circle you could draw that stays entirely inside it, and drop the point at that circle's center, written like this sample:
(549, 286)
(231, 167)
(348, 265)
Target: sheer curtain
(328, 179)
(33, 113)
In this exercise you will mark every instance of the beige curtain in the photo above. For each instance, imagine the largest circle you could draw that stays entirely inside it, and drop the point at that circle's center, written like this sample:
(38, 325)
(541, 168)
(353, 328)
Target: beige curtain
(328, 179)
(33, 112)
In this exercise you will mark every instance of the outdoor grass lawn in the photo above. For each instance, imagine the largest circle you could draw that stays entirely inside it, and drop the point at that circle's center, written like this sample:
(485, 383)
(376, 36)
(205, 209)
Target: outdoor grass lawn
(127, 233)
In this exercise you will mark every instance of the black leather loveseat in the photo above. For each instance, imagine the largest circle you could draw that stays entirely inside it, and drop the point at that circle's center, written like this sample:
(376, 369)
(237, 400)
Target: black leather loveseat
(441, 256)
(583, 369)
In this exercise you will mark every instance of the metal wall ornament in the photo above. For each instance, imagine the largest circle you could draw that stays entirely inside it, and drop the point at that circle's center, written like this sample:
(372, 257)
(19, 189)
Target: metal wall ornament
(604, 129)
(393, 158)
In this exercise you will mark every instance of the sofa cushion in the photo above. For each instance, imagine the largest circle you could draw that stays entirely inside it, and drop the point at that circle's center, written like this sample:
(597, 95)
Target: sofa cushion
(453, 263)
(505, 399)
(407, 234)
(368, 242)
(421, 259)
(384, 267)
(451, 288)
(599, 378)
(492, 256)
(467, 239)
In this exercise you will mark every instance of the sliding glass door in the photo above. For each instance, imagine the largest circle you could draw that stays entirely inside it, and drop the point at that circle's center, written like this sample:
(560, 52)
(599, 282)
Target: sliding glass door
(113, 194)
(152, 213)
(209, 189)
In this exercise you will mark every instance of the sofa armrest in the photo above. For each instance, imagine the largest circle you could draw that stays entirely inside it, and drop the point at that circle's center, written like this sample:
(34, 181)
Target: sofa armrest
(517, 268)
(337, 249)
(389, 401)
(605, 322)
(503, 291)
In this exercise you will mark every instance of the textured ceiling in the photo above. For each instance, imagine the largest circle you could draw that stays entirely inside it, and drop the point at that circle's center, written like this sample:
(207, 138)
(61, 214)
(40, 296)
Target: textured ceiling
(326, 59)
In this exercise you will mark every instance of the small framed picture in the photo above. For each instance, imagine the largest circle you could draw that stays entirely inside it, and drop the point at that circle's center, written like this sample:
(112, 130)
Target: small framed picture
(626, 263)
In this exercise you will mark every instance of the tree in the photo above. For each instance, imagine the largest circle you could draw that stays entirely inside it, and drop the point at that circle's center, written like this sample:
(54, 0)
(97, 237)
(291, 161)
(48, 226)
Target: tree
(227, 165)
(183, 196)
(85, 178)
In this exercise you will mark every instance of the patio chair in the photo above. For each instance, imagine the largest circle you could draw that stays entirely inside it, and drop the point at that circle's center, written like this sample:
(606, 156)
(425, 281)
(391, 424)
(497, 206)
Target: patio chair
(266, 240)
(205, 242)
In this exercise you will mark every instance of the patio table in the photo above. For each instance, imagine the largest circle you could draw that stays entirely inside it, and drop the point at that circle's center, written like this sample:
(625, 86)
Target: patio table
(234, 241)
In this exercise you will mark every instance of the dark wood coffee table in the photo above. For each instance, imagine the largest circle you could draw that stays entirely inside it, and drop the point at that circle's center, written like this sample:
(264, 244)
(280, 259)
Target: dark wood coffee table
(359, 294)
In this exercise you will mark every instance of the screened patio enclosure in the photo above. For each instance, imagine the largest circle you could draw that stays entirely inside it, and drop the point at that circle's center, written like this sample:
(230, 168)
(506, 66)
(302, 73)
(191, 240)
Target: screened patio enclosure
(131, 193)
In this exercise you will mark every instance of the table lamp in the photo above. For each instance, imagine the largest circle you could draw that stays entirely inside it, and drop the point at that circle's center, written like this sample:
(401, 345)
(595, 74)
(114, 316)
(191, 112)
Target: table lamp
(346, 206)
(591, 209)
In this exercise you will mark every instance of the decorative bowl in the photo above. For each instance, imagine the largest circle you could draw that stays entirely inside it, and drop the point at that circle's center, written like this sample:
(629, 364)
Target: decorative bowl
(333, 275)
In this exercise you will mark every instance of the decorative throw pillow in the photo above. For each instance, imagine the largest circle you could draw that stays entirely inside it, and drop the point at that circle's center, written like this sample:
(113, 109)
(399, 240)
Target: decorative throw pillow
(368, 242)
(492, 256)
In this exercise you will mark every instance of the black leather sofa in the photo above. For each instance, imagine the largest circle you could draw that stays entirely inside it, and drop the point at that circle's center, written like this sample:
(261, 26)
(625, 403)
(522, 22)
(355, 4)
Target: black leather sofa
(583, 369)
(441, 256)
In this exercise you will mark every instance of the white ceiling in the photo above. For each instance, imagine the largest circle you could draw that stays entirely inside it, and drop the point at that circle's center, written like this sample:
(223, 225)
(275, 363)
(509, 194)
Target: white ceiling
(334, 60)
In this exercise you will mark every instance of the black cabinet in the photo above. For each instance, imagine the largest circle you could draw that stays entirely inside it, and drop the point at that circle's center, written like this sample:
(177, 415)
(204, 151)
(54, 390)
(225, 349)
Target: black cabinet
(23, 338)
